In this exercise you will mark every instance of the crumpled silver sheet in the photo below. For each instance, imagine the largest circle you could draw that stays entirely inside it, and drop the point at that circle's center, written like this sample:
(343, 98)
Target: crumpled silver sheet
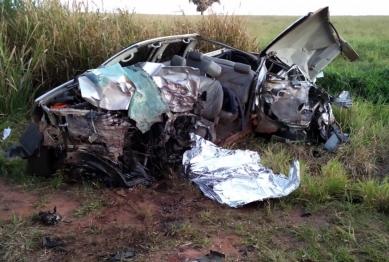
(235, 177)
(109, 88)
(179, 87)
(343, 100)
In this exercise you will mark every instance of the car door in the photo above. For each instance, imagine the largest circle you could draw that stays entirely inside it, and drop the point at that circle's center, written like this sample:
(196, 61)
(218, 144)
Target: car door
(311, 43)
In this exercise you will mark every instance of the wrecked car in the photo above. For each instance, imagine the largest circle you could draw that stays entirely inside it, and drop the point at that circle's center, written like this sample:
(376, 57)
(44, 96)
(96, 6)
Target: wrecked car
(127, 119)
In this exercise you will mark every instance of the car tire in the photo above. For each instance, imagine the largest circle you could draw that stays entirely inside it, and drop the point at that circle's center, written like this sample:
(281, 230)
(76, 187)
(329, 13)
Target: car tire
(41, 162)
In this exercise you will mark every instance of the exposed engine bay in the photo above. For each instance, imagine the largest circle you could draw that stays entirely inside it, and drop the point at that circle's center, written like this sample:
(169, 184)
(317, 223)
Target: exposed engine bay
(291, 107)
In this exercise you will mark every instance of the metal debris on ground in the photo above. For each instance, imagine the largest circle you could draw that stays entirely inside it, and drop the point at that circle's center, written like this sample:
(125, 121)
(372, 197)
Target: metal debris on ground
(123, 256)
(343, 100)
(235, 177)
(248, 249)
(49, 243)
(336, 138)
(213, 256)
(305, 212)
(50, 218)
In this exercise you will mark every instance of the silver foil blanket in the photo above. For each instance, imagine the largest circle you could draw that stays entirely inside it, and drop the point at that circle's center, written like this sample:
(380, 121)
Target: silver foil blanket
(235, 177)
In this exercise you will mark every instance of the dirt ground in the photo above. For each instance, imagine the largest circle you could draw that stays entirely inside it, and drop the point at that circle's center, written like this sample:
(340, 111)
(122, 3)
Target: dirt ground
(172, 221)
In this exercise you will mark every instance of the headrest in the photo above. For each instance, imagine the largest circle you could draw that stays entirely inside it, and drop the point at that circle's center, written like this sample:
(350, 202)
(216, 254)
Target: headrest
(213, 69)
(178, 61)
(242, 68)
(195, 56)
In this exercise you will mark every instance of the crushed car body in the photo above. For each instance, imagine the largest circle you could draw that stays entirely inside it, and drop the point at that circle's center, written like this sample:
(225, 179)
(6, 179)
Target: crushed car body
(125, 120)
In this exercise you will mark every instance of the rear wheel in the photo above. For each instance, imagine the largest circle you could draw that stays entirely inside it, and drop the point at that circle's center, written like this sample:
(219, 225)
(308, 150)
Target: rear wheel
(41, 163)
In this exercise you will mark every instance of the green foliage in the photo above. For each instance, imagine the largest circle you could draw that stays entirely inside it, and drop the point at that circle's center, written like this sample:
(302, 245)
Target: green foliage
(369, 83)
(375, 193)
(17, 68)
(88, 207)
(331, 183)
(43, 45)
(8, 8)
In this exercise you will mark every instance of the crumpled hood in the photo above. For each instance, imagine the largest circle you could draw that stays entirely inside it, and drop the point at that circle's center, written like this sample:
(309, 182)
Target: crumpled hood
(311, 43)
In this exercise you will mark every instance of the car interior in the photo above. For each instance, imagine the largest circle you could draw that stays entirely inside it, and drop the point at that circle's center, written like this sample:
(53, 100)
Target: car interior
(225, 86)
(227, 77)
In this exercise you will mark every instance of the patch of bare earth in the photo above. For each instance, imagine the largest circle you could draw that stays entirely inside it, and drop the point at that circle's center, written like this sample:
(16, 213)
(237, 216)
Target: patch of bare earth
(162, 223)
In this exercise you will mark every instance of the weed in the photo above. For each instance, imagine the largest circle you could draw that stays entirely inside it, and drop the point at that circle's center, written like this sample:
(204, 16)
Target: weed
(17, 238)
(43, 201)
(331, 183)
(57, 181)
(145, 214)
(95, 229)
(375, 193)
(88, 207)
(206, 217)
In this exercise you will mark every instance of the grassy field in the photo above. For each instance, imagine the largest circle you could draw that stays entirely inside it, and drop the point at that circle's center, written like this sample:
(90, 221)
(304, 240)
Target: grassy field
(347, 193)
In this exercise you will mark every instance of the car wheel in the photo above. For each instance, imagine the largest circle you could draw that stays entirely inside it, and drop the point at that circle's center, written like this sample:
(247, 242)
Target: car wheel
(41, 162)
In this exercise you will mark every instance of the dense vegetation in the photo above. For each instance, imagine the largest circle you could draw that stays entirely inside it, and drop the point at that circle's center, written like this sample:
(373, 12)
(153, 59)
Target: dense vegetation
(46, 43)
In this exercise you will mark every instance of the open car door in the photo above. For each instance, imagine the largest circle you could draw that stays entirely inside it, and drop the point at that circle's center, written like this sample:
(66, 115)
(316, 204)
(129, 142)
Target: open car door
(311, 43)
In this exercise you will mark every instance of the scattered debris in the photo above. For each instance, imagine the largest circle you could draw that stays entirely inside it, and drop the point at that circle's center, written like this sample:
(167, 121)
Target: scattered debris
(6, 133)
(235, 177)
(247, 249)
(343, 100)
(337, 137)
(49, 243)
(316, 153)
(49, 218)
(122, 256)
(305, 213)
(213, 256)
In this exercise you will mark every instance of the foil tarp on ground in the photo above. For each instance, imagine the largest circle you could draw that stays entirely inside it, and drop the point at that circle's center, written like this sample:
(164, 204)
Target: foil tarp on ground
(235, 177)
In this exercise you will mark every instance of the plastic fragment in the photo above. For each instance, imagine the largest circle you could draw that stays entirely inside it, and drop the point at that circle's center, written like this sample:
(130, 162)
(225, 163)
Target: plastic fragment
(343, 100)
(6, 133)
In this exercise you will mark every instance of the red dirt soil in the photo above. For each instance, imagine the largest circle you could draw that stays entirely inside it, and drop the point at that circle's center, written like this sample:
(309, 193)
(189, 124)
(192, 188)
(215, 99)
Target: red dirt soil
(139, 218)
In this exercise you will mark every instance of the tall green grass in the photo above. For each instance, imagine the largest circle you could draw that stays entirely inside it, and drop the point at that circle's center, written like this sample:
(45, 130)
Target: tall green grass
(46, 43)
(17, 69)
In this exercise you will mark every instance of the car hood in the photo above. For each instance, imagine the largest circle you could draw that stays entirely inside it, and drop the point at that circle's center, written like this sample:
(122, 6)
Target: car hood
(310, 43)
